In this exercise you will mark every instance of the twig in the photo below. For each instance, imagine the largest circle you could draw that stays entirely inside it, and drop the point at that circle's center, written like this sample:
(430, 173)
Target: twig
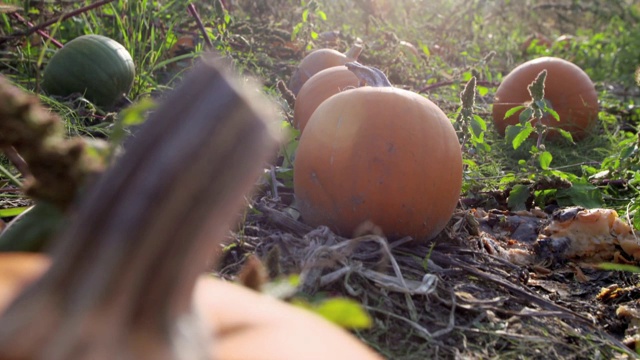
(563, 312)
(194, 12)
(43, 25)
(17, 160)
(42, 33)
(274, 182)
(11, 190)
(283, 221)
(420, 330)
(10, 176)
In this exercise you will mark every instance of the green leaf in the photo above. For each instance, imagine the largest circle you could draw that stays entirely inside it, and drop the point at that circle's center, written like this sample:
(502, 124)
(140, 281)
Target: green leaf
(314, 35)
(425, 50)
(482, 90)
(344, 312)
(566, 176)
(478, 125)
(470, 163)
(11, 212)
(525, 115)
(545, 160)
(580, 194)
(481, 122)
(513, 110)
(628, 152)
(282, 288)
(552, 112)
(507, 178)
(305, 15)
(33, 230)
(511, 132)
(523, 135)
(544, 196)
(322, 15)
(619, 267)
(289, 145)
(518, 197)
(565, 134)
(483, 146)
(133, 115)
(296, 30)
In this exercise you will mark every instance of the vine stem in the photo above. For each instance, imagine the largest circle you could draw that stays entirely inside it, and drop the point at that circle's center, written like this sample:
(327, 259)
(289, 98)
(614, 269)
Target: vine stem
(40, 32)
(194, 12)
(17, 161)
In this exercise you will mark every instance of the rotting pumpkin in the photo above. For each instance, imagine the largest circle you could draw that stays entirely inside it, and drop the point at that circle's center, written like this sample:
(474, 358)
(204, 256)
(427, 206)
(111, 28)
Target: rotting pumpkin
(317, 89)
(319, 60)
(378, 154)
(567, 87)
(92, 65)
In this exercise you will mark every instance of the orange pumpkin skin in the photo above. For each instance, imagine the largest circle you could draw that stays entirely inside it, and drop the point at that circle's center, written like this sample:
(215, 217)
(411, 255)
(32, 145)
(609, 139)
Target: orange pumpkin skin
(317, 89)
(378, 154)
(317, 61)
(569, 89)
(234, 315)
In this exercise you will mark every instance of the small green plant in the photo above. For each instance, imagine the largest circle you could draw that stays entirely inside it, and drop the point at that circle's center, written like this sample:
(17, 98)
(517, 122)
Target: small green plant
(474, 125)
(307, 26)
(544, 183)
(530, 122)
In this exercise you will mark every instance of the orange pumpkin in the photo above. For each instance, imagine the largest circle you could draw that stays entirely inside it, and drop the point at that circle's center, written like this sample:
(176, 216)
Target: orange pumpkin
(317, 89)
(569, 90)
(319, 60)
(378, 154)
(184, 45)
(236, 316)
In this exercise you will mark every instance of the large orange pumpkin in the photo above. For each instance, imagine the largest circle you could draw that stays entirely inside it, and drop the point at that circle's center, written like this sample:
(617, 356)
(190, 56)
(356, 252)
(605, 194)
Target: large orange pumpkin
(317, 89)
(319, 60)
(378, 154)
(569, 90)
(234, 315)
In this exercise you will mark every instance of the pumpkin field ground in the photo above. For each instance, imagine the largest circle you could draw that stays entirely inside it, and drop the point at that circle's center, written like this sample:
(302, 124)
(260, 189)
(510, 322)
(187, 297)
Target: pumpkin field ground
(459, 295)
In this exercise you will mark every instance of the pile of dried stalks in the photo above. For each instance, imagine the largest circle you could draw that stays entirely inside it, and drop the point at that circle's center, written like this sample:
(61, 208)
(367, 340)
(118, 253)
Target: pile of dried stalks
(452, 297)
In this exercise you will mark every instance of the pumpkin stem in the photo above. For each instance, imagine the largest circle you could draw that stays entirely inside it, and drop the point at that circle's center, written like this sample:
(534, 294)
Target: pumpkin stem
(124, 269)
(368, 75)
(354, 52)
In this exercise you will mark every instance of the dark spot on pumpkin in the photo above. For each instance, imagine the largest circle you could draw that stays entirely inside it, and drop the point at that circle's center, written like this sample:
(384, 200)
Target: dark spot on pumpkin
(357, 200)
(391, 148)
